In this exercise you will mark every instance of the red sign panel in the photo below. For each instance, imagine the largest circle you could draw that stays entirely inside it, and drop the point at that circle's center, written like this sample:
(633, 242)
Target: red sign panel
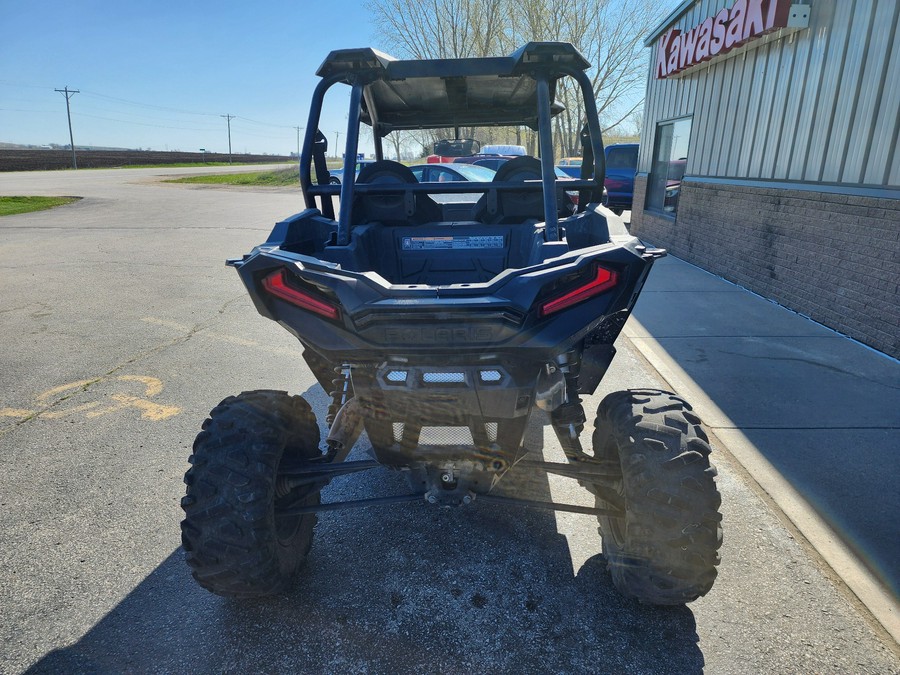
(719, 34)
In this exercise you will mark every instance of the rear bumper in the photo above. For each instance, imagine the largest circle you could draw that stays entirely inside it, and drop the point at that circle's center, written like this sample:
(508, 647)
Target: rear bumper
(379, 321)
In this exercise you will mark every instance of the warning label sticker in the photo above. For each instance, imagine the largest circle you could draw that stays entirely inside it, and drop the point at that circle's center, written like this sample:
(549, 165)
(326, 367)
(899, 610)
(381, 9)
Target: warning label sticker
(455, 242)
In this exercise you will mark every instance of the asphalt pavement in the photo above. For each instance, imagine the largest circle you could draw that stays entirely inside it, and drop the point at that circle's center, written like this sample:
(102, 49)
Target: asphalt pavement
(121, 329)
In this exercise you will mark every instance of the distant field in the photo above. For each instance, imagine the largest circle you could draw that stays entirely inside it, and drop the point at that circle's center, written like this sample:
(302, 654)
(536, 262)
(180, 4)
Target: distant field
(43, 160)
(10, 206)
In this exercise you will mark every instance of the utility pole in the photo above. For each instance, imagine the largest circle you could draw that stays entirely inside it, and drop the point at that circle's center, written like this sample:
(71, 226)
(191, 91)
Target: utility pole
(229, 118)
(68, 94)
(336, 134)
(299, 166)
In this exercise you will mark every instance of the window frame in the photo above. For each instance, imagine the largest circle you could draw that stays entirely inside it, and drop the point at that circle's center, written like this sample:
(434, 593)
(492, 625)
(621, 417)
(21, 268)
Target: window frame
(655, 196)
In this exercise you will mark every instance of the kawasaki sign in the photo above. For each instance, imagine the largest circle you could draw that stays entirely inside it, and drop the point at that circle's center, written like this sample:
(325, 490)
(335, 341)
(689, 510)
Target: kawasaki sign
(716, 36)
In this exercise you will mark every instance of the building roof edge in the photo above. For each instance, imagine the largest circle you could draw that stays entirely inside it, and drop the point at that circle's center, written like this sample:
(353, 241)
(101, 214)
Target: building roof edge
(676, 14)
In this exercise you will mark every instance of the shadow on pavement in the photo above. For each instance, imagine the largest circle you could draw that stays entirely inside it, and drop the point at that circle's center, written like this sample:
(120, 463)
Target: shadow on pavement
(821, 408)
(408, 588)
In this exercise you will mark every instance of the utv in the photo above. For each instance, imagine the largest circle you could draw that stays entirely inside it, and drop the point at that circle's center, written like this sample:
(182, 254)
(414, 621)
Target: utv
(438, 327)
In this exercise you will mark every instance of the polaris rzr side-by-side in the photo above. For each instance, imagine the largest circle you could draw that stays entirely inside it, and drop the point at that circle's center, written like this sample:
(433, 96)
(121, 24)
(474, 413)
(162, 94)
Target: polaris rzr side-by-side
(438, 326)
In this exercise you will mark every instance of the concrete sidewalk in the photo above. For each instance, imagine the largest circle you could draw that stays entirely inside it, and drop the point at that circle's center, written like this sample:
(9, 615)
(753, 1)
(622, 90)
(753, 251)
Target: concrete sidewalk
(812, 415)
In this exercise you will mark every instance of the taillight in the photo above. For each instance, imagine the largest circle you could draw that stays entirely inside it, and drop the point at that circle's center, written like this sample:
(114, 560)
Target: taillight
(602, 281)
(276, 284)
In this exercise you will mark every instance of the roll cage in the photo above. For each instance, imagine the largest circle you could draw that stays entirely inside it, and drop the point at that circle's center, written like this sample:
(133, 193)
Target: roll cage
(393, 95)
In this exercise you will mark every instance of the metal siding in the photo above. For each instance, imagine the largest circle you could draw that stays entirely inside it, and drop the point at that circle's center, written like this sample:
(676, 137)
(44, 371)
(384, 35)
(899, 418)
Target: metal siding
(872, 93)
(753, 110)
(866, 95)
(739, 105)
(701, 125)
(886, 125)
(893, 174)
(848, 92)
(828, 91)
(818, 39)
(804, 84)
(709, 87)
(818, 105)
(724, 120)
(780, 96)
(760, 147)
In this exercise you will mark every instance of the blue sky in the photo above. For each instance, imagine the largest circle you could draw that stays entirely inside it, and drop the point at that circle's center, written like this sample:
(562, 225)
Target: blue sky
(159, 74)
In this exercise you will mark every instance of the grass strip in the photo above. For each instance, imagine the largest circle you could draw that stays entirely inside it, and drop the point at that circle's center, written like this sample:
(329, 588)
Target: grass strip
(10, 206)
(278, 178)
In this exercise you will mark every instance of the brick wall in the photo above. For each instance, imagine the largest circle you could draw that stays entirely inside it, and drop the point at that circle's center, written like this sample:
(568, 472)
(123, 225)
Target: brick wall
(832, 257)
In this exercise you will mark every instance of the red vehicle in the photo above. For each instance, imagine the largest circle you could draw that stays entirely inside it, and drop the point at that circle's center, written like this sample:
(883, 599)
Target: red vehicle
(446, 150)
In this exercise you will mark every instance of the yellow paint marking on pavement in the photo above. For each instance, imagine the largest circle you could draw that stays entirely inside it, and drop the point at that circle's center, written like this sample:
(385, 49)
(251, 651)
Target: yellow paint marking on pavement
(154, 385)
(149, 409)
(16, 412)
(59, 414)
(49, 401)
(50, 393)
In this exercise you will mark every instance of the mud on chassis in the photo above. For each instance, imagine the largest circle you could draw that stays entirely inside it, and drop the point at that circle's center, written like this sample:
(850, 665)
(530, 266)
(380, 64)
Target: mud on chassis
(438, 328)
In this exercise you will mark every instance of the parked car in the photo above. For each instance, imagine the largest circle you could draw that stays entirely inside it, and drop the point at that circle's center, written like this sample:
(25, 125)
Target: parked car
(570, 166)
(447, 150)
(445, 173)
(451, 173)
(621, 165)
(337, 175)
(492, 163)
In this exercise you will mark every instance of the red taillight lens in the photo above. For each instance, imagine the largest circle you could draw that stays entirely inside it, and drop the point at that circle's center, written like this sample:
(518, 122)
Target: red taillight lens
(276, 284)
(603, 280)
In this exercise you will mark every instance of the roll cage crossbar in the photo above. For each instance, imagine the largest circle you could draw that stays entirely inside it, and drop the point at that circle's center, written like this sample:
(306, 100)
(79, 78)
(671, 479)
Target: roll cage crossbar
(392, 95)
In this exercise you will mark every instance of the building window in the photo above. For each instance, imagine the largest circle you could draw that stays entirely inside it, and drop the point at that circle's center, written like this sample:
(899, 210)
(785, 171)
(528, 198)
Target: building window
(669, 161)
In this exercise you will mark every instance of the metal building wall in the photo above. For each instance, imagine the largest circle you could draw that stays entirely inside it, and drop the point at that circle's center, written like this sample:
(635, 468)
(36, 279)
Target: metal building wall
(819, 105)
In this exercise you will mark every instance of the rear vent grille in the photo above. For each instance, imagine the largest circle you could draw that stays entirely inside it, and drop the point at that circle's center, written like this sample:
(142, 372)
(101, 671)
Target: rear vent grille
(443, 378)
(490, 428)
(398, 431)
(446, 436)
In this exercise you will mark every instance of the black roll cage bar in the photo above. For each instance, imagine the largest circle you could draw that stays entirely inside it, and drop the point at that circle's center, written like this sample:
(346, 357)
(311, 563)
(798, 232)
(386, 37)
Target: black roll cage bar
(541, 70)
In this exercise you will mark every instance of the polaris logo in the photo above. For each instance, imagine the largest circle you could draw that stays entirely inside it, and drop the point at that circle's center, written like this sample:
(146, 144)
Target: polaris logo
(443, 336)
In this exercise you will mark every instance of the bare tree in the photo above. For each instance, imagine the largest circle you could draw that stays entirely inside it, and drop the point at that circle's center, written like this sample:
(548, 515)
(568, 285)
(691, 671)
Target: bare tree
(609, 33)
(440, 29)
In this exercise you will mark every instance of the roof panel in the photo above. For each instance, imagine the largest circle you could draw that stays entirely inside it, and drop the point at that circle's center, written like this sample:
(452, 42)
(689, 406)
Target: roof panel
(443, 93)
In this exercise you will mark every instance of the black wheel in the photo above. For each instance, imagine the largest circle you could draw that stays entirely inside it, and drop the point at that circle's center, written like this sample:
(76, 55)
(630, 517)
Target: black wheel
(663, 548)
(237, 544)
(334, 180)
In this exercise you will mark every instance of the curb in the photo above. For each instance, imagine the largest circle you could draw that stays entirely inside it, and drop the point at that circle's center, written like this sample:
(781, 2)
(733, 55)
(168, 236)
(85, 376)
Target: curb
(883, 606)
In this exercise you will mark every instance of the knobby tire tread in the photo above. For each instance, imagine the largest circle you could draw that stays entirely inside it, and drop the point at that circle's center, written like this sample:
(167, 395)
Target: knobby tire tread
(664, 549)
(229, 532)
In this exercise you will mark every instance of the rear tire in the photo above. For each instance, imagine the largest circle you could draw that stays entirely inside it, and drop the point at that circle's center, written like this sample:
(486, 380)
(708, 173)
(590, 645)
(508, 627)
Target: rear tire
(236, 543)
(663, 549)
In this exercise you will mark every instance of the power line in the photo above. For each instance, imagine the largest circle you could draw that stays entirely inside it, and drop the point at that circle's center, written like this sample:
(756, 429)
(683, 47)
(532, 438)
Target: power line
(51, 112)
(148, 105)
(142, 124)
(150, 119)
(267, 124)
(69, 95)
